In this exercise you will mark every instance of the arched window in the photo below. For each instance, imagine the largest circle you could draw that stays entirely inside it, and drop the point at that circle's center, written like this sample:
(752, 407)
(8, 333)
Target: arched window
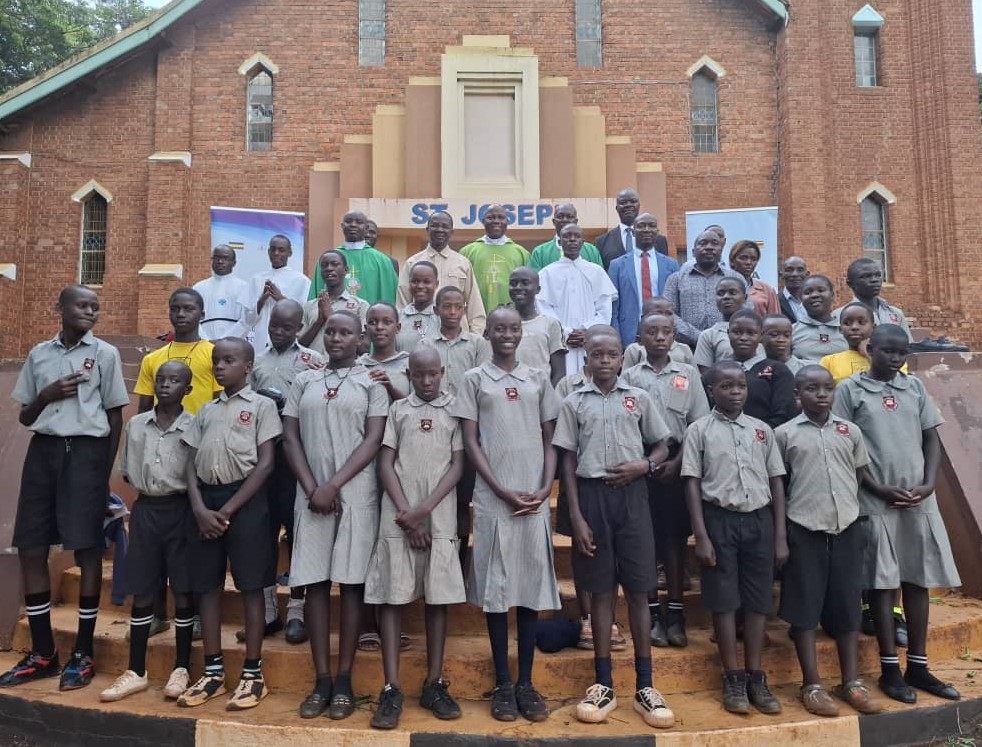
(704, 112)
(259, 110)
(92, 261)
(874, 222)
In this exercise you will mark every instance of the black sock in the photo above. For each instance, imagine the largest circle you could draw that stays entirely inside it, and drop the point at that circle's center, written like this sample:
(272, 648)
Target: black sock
(642, 672)
(252, 668)
(527, 620)
(498, 634)
(604, 671)
(342, 683)
(39, 620)
(654, 607)
(915, 662)
(215, 665)
(140, 620)
(890, 670)
(183, 628)
(675, 607)
(323, 685)
(88, 609)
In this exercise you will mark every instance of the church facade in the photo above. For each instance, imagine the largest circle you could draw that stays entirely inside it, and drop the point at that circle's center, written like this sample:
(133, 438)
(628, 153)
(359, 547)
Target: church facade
(859, 122)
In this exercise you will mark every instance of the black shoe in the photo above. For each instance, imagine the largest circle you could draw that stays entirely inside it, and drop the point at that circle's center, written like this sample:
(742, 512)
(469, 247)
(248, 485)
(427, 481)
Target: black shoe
(78, 672)
(898, 690)
(389, 708)
(272, 628)
(760, 695)
(941, 345)
(436, 698)
(530, 703)
(296, 631)
(503, 704)
(868, 627)
(922, 679)
(314, 705)
(900, 633)
(342, 700)
(32, 667)
(735, 698)
(675, 630)
(659, 635)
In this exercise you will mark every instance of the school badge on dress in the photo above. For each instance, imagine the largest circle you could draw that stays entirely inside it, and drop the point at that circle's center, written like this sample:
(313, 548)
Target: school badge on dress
(761, 435)
(823, 338)
(842, 429)
(511, 394)
(894, 319)
(425, 425)
(245, 417)
(305, 357)
(88, 364)
(889, 403)
(331, 392)
(351, 305)
(630, 404)
(680, 382)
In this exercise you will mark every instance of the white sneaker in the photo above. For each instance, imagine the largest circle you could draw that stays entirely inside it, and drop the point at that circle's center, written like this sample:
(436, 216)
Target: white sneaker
(177, 683)
(597, 705)
(653, 709)
(127, 683)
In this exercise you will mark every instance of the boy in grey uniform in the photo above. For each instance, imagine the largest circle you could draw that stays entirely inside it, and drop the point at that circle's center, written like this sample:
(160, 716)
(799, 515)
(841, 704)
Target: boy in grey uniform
(72, 394)
(735, 495)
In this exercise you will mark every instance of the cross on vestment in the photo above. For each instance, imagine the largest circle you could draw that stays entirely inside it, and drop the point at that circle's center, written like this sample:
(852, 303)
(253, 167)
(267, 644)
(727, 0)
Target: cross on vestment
(494, 272)
(354, 285)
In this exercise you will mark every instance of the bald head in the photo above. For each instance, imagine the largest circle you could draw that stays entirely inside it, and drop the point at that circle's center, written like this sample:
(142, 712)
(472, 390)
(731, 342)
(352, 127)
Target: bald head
(354, 226)
(422, 356)
(287, 310)
(627, 205)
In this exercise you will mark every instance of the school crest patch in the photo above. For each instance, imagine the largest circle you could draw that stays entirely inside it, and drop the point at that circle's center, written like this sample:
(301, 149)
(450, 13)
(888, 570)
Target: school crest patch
(511, 394)
(88, 364)
(630, 404)
(680, 382)
(425, 425)
(767, 372)
(418, 324)
(842, 429)
(305, 357)
(351, 305)
(245, 417)
(894, 319)
(889, 403)
(331, 393)
(222, 301)
(823, 338)
(761, 434)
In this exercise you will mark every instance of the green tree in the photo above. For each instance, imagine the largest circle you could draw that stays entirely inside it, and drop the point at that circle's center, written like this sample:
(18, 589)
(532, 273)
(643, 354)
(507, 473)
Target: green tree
(36, 35)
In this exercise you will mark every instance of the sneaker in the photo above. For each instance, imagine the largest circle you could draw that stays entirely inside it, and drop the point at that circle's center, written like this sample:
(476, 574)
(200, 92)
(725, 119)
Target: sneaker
(208, 687)
(653, 709)
(503, 704)
(128, 683)
(32, 667)
(248, 693)
(675, 630)
(530, 703)
(817, 701)
(78, 672)
(659, 636)
(586, 634)
(599, 702)
(389, 708)
(857, 695)
(617, 640)
(735, 698)
(177, 683)
(760, 695)
(436, 699)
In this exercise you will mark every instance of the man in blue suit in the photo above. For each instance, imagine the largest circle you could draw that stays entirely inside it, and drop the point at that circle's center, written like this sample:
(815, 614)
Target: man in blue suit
(638, 276)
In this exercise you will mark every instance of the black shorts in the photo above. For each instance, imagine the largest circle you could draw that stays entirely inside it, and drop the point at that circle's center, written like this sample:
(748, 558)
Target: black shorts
(744, 572)
(64, 488)
(822, 581)
(245, 546)
(669, 512)
(158, 549)
(621, 524)
(282, 491)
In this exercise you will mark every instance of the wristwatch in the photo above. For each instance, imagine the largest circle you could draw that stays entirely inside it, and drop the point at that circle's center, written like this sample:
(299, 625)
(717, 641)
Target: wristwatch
(652, 466)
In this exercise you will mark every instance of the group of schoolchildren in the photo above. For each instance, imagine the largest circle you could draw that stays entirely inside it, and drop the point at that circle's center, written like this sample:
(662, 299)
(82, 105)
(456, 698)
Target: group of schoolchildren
(404, 435)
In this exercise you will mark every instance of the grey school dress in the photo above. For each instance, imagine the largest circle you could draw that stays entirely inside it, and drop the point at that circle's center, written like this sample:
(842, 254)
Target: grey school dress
(332, 407)
(396, 366)
(512, 564)
(907, 545)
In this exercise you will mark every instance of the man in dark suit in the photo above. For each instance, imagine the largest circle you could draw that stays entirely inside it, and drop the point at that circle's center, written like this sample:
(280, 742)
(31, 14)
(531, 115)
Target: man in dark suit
(793, 273)
(617, 240)
(638, 276)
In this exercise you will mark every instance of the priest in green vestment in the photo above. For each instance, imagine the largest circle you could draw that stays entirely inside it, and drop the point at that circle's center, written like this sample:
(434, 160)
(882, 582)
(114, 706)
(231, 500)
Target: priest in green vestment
(494, 256)
(371, 275)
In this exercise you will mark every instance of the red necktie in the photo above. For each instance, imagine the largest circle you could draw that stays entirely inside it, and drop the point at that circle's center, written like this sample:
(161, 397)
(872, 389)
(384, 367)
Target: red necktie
(645, 278)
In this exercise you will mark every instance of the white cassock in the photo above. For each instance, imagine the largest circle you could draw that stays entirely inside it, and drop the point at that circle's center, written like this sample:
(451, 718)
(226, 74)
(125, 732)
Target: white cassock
(292, 284)
(579, 294)
(226, 300)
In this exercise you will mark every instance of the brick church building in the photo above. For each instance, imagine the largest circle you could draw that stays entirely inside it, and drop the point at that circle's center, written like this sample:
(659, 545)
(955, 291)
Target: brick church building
(859, 122)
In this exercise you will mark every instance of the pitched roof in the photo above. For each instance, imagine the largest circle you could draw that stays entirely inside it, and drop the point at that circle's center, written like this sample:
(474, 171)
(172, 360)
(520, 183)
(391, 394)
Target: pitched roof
(139, 34)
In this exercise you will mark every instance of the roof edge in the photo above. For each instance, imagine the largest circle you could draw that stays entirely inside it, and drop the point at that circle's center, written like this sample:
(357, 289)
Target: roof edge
(777, 8)
(75, 68)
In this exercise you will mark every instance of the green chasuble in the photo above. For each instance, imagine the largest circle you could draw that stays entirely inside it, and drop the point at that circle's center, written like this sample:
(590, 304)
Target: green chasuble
(549, 252)
(371, 276)
(492, 266)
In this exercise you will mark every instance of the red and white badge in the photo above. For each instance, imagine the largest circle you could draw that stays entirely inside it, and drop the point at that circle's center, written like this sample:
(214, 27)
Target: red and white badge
(894, 318)
(680, 382)
(630, 404)
(88, 364)
(823, 338)
(331, 393)
(425, 425)
(245, 417)
(889, 403)
(767, 372)
(842, 429)
(511, 394)
(761, 435)
(351, 305)
(305, 357)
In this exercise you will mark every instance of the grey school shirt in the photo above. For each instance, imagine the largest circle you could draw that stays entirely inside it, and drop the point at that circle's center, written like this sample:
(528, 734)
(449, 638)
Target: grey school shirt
(812, 340)
(344, 302)
(635, 353)
(85, 413)
(274, 370)
(735, 460)
(415, 326)
(152, 460)
(678, 391)
(459, 355)
(821, 461)
(605, 430)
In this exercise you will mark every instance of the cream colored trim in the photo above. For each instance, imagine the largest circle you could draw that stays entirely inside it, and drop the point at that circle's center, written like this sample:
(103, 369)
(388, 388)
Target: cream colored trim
(8, 270)
(358, 139)
(554, 82)
(92, 186)
(885, 194)
(181, 156)
(390, 109)
(326, 166)
(23, 156)
(258, 59)
(618, 140)
(161, 271)
(649, 168)
(709, 63)
(424, 80)
(487, 41)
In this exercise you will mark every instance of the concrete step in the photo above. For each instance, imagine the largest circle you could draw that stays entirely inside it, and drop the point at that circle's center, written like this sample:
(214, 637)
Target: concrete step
(956, 628)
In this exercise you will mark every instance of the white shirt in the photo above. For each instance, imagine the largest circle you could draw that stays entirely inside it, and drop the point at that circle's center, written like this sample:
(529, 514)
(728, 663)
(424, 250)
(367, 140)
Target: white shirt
(354, 245)
(652, 273)
(625, 232)
(292, 284)
(226, 300)
(579, 294)
(500, 241)
(796, 306)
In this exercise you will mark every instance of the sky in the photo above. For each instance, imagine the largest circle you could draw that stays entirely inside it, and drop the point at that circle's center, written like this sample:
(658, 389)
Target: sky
(976, 8)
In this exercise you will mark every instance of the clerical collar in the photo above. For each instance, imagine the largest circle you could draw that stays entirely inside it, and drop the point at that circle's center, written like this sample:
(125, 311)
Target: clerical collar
(216, 276)
(500, 241)
(354, 244)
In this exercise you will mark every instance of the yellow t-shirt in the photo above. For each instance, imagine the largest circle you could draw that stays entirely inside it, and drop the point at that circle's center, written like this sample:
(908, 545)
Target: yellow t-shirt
(845, 364)
(197, 356)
